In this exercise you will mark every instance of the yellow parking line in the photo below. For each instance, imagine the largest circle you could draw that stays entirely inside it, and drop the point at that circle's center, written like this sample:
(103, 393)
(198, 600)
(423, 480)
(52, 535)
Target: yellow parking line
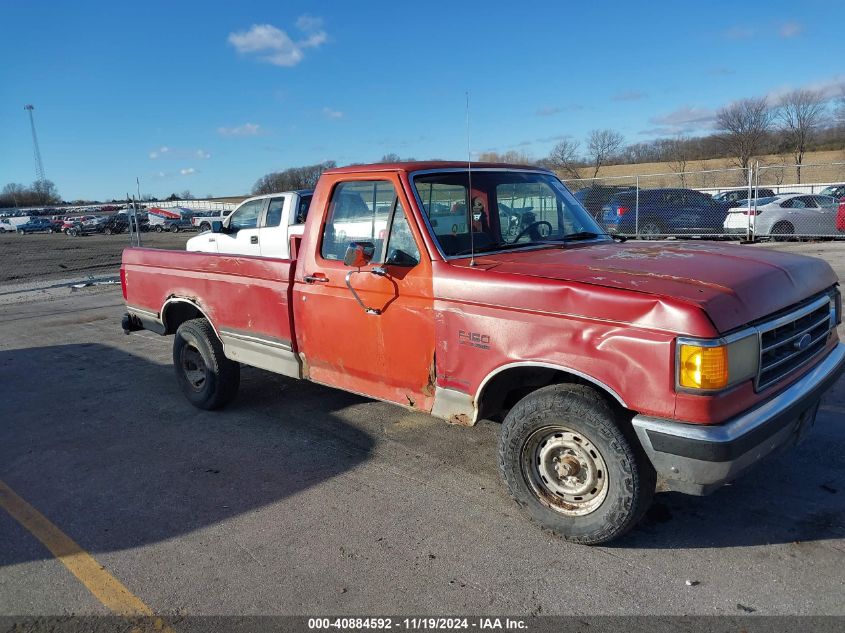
(105, 587)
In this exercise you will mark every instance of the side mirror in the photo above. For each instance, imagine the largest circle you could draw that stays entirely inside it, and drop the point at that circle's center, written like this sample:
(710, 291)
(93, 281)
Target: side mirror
(359, 254)
(216, 226)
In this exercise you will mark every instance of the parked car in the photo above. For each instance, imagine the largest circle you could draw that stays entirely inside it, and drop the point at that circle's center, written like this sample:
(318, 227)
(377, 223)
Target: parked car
(612, 366)
(779, 217)
(594, 198)
(36, 225)
(734, 196)
(10, 223)
(75, 220)
(837, 191)
(664, 212)
(259, 226)
(116, 223)
(840, 216)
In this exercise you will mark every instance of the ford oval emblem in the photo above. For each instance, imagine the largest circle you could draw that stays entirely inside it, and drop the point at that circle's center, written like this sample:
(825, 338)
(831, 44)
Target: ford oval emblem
(803, 343)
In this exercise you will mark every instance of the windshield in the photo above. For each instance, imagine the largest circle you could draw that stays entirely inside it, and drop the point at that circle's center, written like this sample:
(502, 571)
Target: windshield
(509, 209)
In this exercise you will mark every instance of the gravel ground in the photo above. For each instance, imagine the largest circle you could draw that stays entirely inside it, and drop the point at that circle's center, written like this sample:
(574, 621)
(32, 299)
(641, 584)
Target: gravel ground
(42, 257)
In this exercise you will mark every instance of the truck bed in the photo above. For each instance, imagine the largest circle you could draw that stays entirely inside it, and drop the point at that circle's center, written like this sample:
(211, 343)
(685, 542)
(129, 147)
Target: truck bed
(245, 298)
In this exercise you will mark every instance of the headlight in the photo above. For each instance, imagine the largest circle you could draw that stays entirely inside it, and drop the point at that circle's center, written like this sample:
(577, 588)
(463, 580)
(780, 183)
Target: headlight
(706, 365)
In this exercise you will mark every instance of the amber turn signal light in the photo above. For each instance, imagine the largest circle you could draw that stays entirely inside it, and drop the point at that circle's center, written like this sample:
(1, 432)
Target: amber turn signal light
(703, 367)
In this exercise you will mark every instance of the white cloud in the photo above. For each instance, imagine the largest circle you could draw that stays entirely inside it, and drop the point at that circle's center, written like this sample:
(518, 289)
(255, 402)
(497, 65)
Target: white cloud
(629, 95)
(200, 153)
(161, 150)
(790, 29)
(247, 129)
(188, 171)
(309, 23)
(332, 114)
(684, 120)
(829, 88)
(739, 33)
(274, 46)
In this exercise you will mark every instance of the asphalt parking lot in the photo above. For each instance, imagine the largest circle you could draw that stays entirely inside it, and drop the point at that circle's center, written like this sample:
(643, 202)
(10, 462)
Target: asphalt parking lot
(299, 499)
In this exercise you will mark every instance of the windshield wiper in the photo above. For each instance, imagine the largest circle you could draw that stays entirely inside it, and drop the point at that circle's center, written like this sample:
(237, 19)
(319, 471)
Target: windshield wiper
(590, 235)
(502, 246)
(582, 235)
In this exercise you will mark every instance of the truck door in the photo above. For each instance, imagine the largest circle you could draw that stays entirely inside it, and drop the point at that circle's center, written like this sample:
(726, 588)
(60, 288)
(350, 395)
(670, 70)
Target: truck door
(273, 234)
(368, 329)
(241, 231)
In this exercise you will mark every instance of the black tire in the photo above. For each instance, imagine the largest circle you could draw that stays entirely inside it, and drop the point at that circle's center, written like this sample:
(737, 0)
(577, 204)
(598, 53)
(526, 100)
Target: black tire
(107, 230)
(174, 228)
(205, 226)
(782, 232)
(208, 379)
(159, 228)
(651, 229)
(577, 429)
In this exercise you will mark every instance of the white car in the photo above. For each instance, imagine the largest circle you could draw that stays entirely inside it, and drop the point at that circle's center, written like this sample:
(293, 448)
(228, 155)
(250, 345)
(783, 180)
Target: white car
(10, 225)
(259, 226)
(784, 215)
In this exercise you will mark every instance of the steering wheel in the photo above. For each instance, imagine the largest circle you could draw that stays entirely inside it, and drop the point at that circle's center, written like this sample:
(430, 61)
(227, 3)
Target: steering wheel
(531, 226)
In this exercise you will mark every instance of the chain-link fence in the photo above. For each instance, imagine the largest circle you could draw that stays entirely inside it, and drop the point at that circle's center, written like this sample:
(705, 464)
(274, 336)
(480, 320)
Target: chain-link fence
(51, 247)
(761, 202)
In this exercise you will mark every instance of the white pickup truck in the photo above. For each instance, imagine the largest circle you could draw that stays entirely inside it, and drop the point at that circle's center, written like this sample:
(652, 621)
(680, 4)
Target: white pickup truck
(259, 226)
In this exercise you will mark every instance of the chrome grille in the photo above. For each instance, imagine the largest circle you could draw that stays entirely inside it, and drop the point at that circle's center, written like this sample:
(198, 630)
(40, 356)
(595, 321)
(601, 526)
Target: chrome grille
(789, 341)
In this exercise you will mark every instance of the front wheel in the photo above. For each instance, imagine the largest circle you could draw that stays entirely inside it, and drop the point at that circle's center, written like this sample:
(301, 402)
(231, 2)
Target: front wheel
(159, 228)
(174, 228)
(208, 379)
(568, 463)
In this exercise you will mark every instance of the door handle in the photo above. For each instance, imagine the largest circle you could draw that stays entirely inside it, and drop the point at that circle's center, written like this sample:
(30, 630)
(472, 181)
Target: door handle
(316, 278)
(253, 239)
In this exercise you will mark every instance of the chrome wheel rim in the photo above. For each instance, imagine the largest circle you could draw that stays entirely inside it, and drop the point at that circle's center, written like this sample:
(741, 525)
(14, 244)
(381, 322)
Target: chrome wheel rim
(649, 228)
(565, 470)
(193, 366)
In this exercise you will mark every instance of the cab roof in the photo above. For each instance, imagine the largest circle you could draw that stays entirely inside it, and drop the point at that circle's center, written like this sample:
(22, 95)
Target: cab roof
(424, 165)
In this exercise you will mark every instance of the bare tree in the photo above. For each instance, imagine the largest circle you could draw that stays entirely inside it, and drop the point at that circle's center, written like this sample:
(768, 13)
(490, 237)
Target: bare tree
(390, 158)
(840, 109)
(678, 155)
(564, 157)
(601, 146)
(292, 178)
(744, 126)
(800, 113)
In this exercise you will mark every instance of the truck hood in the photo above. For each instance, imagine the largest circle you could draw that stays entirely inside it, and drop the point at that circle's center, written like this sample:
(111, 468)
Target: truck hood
(733, 284)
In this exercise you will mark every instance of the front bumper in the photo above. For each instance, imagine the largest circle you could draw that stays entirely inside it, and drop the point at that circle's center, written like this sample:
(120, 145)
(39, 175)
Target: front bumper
(697, 459)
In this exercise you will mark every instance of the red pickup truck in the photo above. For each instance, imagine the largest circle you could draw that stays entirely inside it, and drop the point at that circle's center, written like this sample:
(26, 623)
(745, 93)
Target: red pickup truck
(491, 293)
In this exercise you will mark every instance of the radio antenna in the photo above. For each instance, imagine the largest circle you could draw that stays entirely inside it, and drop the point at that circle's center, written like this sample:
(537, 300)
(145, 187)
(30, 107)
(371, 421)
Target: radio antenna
(469, 195)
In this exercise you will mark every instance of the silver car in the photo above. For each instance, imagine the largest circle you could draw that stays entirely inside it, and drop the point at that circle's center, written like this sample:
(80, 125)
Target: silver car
(785, 215)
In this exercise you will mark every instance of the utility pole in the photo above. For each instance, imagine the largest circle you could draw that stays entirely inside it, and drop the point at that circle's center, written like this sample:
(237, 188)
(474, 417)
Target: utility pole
(39, 165)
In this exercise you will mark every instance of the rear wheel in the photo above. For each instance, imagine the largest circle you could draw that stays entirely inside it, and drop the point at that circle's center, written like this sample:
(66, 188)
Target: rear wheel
(205, 226)
(159, 228)
(174, 228)
(783, 231)
(650, 230)
(107, 230)
(568, 463)
(208, 379)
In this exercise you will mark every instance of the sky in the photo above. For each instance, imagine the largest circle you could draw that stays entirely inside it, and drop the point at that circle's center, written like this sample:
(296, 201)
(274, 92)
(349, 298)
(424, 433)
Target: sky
(208, 97)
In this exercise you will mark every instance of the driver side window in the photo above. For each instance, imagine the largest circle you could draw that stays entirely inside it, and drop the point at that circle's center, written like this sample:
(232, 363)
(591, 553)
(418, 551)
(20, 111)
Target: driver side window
(246, 217)
(402, 249)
